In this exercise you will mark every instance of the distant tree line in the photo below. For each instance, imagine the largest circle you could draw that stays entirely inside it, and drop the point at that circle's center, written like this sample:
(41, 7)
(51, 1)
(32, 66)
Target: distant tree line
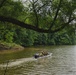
(27, 37)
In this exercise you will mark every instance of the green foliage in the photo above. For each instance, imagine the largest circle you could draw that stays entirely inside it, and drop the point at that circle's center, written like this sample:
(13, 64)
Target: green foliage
(9, 37)
(41, 39)
(15, 34)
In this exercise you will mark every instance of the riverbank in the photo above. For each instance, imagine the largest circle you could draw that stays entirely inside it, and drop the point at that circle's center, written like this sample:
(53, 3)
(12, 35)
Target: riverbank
(10, 46)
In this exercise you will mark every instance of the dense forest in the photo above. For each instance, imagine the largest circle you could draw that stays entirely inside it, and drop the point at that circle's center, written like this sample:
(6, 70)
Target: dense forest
(38, 22)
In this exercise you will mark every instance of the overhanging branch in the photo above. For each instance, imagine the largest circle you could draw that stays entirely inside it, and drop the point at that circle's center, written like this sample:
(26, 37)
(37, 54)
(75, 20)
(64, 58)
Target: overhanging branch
(22, 24)
(55, 15)
(32, 27)
(63, 26)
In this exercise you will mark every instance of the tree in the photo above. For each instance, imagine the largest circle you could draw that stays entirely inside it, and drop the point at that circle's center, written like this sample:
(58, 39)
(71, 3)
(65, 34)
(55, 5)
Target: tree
(60, 13)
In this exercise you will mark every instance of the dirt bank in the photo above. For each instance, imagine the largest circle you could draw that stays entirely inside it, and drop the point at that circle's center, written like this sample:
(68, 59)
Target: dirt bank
(10, 46)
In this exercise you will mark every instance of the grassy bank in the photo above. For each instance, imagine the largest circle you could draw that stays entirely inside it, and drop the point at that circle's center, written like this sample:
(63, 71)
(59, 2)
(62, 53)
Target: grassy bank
(12, 46)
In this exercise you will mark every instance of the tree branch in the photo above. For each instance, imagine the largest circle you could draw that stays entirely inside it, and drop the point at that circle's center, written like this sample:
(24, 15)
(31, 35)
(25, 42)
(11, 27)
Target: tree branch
(43, 6)
(22, 24)
(34, 10)
(32, 27)
(63, 26)
(55, 15)
(35, 1)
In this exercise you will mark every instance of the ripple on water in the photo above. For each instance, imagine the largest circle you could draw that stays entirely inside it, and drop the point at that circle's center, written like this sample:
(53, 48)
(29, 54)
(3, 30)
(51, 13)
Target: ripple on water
(63, 62)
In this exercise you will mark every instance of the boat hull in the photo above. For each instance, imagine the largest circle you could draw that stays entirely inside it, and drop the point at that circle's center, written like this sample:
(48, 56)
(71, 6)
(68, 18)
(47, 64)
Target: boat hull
(37, 56)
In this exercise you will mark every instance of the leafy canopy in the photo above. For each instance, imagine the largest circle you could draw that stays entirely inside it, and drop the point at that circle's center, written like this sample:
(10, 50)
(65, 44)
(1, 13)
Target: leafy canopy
(46, 16)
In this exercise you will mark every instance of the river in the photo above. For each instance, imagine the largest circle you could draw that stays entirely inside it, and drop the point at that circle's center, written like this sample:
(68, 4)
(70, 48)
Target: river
(62, 62)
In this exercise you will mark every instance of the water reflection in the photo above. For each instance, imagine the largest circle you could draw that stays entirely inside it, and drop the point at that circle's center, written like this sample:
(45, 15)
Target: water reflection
(63, 62)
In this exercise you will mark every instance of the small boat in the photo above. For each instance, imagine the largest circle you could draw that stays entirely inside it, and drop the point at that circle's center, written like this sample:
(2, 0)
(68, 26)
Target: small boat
(37, 55)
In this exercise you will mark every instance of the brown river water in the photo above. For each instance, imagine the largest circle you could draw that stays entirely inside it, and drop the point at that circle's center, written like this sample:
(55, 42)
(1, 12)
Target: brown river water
(62, 62)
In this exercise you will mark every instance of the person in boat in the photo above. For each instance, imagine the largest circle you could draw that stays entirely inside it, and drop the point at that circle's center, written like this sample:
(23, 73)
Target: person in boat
(44, 53)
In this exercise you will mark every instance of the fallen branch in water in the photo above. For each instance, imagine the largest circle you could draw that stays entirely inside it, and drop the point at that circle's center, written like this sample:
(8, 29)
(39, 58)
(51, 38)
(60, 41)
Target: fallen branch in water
(6, 68)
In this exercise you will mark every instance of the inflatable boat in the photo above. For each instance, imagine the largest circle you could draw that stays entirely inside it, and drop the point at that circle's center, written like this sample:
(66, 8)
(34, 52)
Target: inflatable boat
(37, 55)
